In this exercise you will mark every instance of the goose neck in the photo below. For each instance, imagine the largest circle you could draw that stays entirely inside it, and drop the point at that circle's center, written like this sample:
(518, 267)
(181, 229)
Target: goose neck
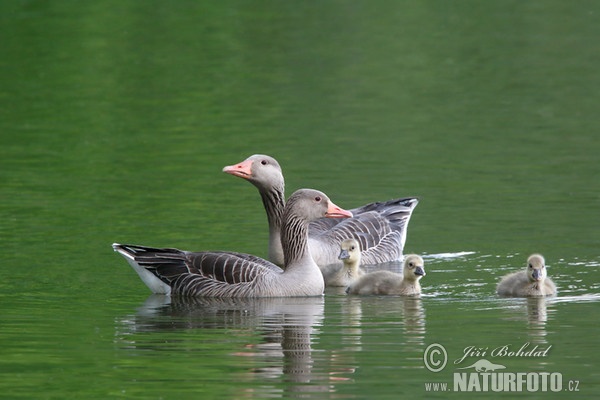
(294, 238)
(274, 203)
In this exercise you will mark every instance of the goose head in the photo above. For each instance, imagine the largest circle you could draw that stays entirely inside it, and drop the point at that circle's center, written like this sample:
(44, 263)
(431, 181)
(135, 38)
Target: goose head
(310, 205)
(536, 268)
(261, 170)
(414, 267)
(349, 251)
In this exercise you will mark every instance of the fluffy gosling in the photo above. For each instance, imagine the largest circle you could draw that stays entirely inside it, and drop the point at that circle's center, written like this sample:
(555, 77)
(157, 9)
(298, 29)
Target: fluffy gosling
(533, 281)
(386, 282)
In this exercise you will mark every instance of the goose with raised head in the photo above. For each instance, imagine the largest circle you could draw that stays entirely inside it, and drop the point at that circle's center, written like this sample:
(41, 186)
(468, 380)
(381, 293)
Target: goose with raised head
(344, 275)
(230, 274)
(387, 282)
(379, 227)
(530, 282)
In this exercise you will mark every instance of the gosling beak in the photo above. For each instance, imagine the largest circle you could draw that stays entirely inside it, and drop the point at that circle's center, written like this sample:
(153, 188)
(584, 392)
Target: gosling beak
(334, 211)
(419, 271)
(536, 274)
(344, 255)
(243, 169)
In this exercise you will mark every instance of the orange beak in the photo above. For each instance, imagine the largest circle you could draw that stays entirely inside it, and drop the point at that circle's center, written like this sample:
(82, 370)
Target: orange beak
(243, 169)
(334, 211)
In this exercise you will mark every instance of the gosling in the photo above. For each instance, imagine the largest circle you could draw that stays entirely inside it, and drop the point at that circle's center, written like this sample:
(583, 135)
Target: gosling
(346, 274)
(387, 282)
(533, 281)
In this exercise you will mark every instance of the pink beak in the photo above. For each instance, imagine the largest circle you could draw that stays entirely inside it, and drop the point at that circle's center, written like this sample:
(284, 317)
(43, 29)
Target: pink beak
(336, 212)
(243, 169)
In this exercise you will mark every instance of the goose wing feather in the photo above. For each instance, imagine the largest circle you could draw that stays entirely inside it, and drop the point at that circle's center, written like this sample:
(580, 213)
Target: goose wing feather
(230, 267)
(391, 210)
(207, 273)
(380, 229)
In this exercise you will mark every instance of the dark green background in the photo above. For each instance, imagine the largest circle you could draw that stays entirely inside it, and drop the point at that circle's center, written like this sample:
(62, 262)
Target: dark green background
(116, 118)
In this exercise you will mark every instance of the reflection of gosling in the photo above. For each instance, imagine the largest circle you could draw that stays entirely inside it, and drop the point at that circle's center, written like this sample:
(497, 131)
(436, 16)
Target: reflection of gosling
(350, 271)
(386, 282)
(531, 282)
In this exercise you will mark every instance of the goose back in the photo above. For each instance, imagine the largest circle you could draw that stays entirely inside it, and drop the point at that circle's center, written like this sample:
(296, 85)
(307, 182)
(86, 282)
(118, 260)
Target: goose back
(380, 229)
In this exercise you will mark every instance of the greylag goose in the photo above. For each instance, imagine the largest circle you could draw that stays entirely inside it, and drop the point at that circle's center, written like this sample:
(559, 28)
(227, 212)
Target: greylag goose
(387, 282)
(344, 275)
(229, 274)
(379, 227)
(533, 281)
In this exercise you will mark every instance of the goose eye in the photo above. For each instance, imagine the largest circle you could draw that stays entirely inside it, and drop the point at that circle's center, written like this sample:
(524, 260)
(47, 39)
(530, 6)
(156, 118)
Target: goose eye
(318, 199)
(264, 162)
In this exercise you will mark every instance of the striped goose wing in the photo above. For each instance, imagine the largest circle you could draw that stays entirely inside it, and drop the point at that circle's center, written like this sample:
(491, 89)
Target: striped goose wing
(368, 228)
(392, 210)
(380, 228)
(230, 267)
(213, 274)
(223, 274)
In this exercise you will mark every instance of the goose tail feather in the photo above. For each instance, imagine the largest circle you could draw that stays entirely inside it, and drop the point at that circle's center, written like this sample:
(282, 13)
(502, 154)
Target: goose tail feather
(144, 260)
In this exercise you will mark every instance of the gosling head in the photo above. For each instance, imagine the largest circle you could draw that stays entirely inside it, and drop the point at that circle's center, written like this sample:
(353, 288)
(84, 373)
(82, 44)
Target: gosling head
(261, 170)
(349, 251)
(536, 268)
(414, 267)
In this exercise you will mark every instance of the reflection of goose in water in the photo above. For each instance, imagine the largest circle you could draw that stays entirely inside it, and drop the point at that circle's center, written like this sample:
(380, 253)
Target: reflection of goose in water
(537, 316)
(386, 282)
(532, 281)
(343, 275)
(533, 311)
(287, 329)
(357, 312)
(537, 313)
(413, 315)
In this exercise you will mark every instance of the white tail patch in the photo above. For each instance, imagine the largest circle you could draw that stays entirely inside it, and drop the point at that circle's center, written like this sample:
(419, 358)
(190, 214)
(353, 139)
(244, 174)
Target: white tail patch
(152, 281)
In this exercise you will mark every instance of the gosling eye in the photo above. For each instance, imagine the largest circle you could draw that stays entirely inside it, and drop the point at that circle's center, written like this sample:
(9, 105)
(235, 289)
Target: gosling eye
(411, 264)
(530, 266)
(352, 247)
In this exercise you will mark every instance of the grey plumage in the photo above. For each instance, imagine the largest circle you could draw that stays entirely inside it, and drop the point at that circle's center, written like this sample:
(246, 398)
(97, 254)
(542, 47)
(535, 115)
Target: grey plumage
(380, 227)
(231, 274)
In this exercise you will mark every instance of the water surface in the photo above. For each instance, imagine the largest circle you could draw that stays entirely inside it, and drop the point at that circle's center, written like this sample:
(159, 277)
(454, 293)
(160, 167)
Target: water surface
(117, 117)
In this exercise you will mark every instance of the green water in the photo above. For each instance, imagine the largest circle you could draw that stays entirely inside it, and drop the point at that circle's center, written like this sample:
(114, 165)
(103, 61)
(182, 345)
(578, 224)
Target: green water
(116, 118)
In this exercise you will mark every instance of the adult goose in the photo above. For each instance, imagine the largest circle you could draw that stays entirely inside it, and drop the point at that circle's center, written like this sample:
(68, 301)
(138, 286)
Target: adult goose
(229, 274)
(530, 282)
(344, 275)
(379, 227)
(387, 282)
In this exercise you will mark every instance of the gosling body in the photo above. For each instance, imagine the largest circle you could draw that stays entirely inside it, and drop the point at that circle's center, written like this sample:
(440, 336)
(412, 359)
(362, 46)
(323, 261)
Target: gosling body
(350, 271)
(390, 283)
(530, 282)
